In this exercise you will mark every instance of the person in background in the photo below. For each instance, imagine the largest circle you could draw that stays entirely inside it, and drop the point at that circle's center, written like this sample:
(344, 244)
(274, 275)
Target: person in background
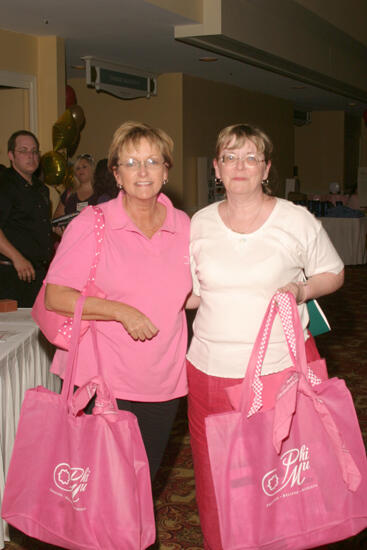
(25, 228)
(104, 183)
(145, 276)
(83, 195)
(243, 249)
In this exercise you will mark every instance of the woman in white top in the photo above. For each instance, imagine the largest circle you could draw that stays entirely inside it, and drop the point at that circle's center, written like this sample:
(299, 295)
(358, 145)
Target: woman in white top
(243, 250)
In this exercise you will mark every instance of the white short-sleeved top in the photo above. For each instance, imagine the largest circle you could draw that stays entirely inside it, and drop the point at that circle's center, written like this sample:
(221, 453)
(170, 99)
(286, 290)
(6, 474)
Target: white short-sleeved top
(236, 275)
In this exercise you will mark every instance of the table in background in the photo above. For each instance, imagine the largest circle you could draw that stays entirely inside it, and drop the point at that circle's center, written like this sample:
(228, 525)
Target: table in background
(25, 358)
(348, 235)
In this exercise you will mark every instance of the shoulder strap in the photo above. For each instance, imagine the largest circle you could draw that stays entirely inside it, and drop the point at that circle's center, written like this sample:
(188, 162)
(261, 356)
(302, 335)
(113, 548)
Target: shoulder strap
(99, 234)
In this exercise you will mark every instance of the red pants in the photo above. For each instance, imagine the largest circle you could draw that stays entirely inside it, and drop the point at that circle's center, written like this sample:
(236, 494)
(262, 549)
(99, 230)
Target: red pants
(207, 396)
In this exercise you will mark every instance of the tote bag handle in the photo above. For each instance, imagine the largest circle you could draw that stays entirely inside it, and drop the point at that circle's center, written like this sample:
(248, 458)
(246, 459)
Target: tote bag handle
(252, 386)
(70, 370)
(285, 406)
(105, 402)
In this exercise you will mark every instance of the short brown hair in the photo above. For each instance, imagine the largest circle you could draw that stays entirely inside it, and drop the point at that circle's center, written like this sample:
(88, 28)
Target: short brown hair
(131, 133)
(13, 138)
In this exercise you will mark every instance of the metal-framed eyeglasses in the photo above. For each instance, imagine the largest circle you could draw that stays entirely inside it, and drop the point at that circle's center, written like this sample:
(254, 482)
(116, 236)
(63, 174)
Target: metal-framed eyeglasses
(231, 159)
(134, 164)
(23, 151)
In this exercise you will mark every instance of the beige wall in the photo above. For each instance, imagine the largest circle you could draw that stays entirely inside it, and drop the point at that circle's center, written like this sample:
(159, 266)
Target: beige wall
(319, 151)
(18, 52)
(13, 115)
(104, 113)
(42, 57)
(191, 110)
(210, 106)
(349, 16)
(51, 86)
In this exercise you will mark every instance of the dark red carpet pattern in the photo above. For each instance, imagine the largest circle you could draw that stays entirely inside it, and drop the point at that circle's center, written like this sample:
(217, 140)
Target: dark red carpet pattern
(174, 490)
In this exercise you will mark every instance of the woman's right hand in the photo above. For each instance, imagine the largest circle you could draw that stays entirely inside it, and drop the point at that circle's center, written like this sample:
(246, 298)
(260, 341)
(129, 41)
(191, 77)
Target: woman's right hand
(138, 325)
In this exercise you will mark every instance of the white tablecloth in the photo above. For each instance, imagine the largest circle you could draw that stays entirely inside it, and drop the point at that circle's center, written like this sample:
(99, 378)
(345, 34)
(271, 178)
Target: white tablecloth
(25, 358)
(348, 235)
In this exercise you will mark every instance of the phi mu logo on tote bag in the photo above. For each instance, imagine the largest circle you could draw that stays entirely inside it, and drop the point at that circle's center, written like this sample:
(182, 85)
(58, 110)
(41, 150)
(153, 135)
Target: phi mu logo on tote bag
(292, 477)
(44, 497)
(72, 481)
(302, 462)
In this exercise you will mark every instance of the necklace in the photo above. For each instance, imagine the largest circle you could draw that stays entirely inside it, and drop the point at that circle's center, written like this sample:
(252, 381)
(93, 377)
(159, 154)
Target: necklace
(245, 232)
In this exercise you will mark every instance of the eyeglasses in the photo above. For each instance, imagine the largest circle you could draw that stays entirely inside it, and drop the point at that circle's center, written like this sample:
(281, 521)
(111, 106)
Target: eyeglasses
(250, 161)
(33, 152)
(134, 164)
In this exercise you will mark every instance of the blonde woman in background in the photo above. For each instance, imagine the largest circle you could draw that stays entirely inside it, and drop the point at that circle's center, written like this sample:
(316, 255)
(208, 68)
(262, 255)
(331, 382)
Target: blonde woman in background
(83, 193)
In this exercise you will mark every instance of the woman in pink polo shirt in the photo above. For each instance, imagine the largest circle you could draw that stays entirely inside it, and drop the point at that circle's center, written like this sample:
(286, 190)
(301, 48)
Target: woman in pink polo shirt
(145, 274)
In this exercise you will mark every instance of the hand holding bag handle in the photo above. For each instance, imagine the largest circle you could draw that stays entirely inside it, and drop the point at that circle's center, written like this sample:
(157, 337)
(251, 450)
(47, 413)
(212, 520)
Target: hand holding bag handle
(105, 403)
(77, 401)
(294, 335)
(251, 391)
(286, 402)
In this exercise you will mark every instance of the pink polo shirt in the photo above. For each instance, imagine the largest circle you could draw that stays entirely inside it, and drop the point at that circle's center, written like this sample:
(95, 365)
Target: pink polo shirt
(152, 275)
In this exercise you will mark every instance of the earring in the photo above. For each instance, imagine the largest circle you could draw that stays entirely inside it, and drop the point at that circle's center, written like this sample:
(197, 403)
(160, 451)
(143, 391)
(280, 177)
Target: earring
(265, 182)
(120, 186)
(218, 181)
(165, 181)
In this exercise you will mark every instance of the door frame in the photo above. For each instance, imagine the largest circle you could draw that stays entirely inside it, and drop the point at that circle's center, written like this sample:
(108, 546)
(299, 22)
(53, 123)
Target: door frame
(27, 82)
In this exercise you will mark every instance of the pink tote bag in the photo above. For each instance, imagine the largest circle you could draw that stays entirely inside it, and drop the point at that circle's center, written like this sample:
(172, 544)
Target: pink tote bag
(293, 476)
(58, 328)
(79, 481)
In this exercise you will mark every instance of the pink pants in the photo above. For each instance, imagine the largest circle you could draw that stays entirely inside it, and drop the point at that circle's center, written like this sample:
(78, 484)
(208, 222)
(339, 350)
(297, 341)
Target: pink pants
(207, 396)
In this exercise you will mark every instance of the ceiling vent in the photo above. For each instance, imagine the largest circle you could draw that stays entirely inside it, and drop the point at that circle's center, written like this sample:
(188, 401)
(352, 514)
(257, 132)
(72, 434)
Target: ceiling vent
(118, 80)
(300, 118)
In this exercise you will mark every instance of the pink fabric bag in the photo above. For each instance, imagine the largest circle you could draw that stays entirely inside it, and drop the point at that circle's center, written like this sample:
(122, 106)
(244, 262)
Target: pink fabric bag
(57, 328)
(293, 476)
(79, 481)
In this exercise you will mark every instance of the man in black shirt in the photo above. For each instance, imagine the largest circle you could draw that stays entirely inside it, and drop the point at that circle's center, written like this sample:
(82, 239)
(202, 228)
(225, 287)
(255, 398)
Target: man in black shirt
(25, 228)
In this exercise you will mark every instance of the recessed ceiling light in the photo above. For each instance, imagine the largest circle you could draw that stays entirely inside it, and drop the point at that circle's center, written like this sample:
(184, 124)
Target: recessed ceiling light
(208, 59)
(352, 104)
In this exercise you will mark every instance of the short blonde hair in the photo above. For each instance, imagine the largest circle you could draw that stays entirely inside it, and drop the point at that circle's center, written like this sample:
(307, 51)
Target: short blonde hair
(239, 134)
(131, 133)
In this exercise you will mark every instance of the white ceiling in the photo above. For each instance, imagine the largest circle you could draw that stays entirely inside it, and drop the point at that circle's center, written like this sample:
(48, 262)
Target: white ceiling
(138, 34)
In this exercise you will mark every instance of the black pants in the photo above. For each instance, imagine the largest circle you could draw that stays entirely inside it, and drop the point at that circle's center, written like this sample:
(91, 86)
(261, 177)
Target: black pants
(155, 423)
(11, 287)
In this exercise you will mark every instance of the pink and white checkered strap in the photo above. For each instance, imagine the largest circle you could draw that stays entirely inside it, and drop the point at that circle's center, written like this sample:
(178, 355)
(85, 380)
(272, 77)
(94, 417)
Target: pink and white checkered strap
(285, 311)
(282, 302)
(67, 327)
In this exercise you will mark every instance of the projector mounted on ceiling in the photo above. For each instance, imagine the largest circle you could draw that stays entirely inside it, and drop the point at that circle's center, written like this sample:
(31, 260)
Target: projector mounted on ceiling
(118, 80)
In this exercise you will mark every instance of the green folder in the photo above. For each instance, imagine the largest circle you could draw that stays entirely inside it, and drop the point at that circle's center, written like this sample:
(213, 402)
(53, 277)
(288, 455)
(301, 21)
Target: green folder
(318, 322)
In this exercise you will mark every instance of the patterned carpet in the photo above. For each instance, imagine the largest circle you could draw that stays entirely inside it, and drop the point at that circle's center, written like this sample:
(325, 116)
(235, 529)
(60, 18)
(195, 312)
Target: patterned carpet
(174, 490)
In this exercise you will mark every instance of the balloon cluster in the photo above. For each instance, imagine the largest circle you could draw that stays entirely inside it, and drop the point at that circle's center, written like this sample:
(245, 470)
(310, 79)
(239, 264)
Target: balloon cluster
(65, 139)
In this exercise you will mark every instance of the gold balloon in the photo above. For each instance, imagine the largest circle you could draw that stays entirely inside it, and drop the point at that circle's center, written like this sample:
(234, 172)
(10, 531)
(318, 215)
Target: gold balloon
(78, 115)
(64, 131)
(74, 145)
(54, 167)
(69, 178)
